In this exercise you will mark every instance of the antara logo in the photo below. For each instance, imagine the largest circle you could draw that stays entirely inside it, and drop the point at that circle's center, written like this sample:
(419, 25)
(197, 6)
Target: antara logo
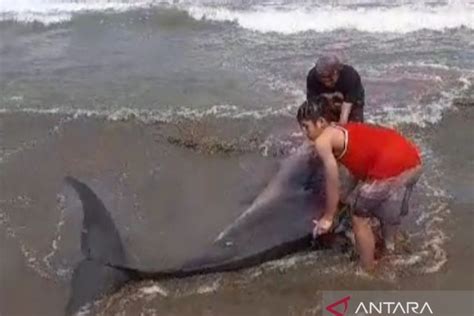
(380, 308)
(345, 301)
(392, 308)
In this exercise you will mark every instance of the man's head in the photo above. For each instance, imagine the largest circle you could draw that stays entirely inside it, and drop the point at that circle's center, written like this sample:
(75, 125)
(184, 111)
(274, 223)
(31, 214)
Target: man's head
(314, 117)
(327, 70)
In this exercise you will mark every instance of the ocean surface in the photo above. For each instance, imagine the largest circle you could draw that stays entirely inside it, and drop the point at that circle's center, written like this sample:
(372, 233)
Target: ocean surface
(176, 111)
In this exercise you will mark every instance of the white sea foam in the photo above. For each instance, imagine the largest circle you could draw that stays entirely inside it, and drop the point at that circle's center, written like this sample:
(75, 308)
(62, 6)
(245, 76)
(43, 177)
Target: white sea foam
(57, 11)
(417, 113)
(164, 115)
(401, 19)
(285, 19)
(154, 289)
(388, 114)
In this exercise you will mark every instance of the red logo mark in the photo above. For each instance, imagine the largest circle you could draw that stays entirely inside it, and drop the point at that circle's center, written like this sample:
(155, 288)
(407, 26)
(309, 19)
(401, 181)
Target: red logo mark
(345, 301)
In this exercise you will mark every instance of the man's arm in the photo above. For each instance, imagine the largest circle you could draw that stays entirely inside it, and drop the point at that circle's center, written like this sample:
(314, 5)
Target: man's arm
(312, 86)
(345, 106)
(353, 93)
(345, 112)
(324, 149)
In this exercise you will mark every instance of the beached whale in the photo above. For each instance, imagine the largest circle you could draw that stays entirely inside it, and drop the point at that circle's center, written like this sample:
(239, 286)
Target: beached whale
(277, 223)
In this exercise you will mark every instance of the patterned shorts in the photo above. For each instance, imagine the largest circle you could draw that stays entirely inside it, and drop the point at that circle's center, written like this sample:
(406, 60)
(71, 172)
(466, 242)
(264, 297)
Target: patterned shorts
(386, 199)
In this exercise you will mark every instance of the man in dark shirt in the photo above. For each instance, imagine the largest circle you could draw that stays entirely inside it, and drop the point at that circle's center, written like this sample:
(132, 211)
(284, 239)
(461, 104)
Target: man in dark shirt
(328, 77)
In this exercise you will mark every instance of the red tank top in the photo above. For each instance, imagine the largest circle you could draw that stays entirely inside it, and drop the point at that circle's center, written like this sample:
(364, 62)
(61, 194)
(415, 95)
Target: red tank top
(374, 152)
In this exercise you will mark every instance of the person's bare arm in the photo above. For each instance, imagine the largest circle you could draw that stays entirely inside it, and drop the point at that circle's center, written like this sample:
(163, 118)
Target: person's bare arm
(324, 149)
(345, 112)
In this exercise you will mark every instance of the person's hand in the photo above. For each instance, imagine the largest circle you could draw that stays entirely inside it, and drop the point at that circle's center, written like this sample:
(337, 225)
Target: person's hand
(322, 226)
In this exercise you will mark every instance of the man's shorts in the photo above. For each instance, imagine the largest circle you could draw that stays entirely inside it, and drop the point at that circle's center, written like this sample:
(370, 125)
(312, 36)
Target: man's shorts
(385, 199)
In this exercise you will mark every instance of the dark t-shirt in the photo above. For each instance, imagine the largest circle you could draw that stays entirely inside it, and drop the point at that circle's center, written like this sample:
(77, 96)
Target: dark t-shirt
(348, 83)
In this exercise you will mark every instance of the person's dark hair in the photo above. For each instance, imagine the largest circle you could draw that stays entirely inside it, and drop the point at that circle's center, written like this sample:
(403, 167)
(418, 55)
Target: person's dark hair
(327, 64)
(321, 107)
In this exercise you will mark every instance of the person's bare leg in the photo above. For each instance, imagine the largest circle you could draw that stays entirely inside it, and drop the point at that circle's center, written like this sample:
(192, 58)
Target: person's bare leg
(389, 233)
(365, 241)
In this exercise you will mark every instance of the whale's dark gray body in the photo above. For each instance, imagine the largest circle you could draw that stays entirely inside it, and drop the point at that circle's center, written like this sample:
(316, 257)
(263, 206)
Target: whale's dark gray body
(277, 223)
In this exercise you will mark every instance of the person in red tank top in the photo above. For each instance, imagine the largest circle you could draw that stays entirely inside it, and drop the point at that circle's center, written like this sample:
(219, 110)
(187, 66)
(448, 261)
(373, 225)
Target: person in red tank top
(385, 164)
